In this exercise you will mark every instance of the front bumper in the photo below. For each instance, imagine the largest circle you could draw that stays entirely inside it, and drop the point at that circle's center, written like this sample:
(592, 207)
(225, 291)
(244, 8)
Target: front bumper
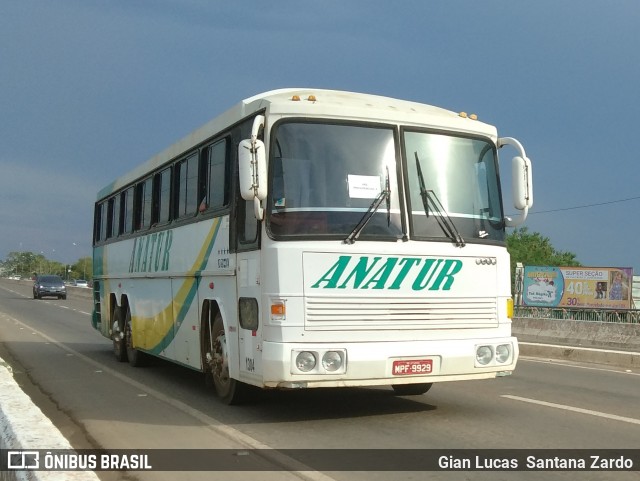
(371, 363)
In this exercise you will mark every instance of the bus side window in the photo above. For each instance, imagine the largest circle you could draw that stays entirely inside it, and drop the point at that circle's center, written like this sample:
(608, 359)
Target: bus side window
(100, 223)
(127, 205)
(113, 219)
(217, 194)
(248, 225)
(143, 204)
(187, 186)
(162, 197)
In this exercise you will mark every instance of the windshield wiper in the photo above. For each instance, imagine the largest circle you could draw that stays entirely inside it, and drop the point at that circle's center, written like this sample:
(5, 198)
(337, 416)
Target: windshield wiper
(442, 217)
(373, 208)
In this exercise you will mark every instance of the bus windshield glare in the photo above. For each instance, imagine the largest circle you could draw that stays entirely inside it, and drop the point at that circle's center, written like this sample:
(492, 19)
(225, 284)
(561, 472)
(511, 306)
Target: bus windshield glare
(324, 178)
(460, 174)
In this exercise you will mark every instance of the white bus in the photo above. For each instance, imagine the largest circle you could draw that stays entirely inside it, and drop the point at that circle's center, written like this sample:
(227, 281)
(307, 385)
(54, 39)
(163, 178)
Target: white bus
(315, 238)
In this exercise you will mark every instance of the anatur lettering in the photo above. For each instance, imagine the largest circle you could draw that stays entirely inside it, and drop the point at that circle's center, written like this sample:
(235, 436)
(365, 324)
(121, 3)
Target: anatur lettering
(150, 253)
(392, 273)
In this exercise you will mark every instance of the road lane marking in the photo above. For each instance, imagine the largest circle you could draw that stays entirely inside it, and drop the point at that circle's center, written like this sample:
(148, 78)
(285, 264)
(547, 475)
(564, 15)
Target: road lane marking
(44, 301)
(577, 366)
(613, 417)
(575, 348)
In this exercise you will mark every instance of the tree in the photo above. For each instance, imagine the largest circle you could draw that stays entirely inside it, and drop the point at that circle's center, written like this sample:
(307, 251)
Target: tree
(27, 264)
(23, 263)
(533, 249)
(82, 269)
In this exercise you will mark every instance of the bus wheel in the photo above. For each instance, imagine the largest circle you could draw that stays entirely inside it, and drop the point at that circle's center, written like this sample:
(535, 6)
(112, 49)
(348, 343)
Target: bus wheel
(117, 335)
(230, 391)
(136, 357)
(411, 389)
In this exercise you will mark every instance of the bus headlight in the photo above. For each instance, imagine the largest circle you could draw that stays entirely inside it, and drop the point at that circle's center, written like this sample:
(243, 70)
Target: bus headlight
(305, 361)
(503, 353)
(484, 355)
(319, 362)
(332, 361)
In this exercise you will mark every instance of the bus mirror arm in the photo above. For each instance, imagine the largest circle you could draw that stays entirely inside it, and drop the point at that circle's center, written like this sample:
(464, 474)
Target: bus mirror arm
(258, 123)
(522, 181)
(516, 221)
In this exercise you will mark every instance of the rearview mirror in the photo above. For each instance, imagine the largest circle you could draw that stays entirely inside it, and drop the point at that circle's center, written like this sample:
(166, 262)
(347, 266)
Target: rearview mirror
(252, 166)
(522, 183)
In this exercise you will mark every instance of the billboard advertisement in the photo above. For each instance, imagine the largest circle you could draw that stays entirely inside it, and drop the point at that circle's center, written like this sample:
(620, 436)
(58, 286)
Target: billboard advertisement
(577, 287)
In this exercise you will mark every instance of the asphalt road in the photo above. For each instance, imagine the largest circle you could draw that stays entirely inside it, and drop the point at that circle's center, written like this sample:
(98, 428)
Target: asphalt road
(69, 371)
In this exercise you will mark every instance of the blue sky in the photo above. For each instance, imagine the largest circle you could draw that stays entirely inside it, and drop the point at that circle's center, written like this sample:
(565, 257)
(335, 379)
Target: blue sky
(89, 89)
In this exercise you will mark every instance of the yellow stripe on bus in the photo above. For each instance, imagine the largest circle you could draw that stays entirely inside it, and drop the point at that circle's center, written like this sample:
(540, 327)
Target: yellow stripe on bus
(157, 332)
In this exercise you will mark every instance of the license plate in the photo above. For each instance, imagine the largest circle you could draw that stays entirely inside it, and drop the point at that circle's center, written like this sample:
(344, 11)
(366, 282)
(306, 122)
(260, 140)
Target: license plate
(412, 367)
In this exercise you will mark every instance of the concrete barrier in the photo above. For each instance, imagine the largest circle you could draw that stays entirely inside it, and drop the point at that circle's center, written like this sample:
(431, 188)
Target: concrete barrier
(604, 335)
(24, 426)
(619, 359)
(597, 342)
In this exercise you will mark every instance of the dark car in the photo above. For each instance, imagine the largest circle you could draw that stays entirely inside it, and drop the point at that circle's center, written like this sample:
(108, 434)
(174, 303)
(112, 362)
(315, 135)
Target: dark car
(52, 286)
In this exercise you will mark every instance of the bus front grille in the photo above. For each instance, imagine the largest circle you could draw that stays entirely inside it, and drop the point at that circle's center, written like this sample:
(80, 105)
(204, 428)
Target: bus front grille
(399, 313)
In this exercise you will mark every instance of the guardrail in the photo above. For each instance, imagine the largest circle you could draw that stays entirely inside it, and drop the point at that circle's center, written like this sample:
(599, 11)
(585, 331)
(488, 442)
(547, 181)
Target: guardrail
(623, 316)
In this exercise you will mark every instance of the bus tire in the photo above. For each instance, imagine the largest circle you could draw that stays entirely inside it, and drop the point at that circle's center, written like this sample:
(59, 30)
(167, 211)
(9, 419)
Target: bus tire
(229, 391)
(411, 389)
(135, 356)
(117, 336)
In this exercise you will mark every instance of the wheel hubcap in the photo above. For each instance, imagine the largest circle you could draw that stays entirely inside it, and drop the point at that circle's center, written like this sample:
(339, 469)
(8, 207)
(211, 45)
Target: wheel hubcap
(219, 362)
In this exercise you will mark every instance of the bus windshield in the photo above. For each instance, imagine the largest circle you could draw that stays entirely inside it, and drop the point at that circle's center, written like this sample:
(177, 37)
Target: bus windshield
(452, 179)
(325, 177)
